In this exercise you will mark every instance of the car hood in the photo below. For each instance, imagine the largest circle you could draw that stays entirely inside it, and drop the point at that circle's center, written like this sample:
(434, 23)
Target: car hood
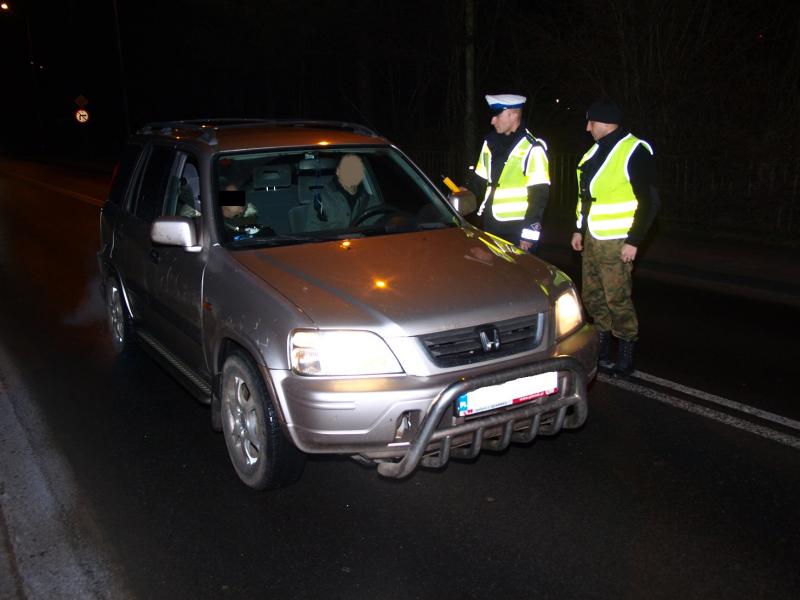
(407, 284)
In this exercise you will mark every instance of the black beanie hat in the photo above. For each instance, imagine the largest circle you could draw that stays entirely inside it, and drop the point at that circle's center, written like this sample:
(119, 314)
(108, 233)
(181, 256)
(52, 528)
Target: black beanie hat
(604, 111)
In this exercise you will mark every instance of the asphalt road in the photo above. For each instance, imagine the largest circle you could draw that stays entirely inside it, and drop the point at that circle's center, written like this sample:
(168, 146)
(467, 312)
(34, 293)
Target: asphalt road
(666, 492)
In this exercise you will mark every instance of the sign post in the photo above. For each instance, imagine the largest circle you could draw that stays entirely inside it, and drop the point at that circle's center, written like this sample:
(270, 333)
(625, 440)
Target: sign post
(81, 115)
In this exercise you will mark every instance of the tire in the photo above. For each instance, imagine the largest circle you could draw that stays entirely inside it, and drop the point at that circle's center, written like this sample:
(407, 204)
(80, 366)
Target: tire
(119, 324)
(261, 454)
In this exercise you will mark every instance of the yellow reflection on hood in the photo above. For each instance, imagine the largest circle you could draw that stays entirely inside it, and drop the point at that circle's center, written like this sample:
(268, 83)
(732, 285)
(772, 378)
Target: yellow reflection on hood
(497, 246)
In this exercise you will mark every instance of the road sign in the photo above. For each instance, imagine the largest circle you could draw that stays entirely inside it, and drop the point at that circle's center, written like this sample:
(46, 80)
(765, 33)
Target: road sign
(82, 115)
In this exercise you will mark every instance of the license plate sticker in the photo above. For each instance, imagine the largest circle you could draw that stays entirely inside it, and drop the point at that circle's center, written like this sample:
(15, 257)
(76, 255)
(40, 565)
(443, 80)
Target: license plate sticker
(509, 393)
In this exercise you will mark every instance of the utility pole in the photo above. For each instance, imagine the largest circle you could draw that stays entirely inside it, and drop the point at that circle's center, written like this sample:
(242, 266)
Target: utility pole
(469, 79)
(123, 85)
(17, 11)
(35, 83)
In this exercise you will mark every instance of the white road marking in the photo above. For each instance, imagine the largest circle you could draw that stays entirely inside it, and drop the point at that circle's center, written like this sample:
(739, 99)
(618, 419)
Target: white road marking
(745, 408)
(709, 413)
(49, 545)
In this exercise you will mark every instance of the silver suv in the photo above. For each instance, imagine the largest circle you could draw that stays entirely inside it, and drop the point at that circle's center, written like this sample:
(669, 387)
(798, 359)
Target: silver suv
(308, 282)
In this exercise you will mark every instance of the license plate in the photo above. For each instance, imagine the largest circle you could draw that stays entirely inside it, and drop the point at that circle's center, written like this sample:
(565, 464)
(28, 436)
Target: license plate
(509, 393)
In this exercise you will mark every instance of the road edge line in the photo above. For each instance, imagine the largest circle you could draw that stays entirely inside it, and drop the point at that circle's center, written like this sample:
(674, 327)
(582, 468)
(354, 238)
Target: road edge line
(710, 413)
(38, 495)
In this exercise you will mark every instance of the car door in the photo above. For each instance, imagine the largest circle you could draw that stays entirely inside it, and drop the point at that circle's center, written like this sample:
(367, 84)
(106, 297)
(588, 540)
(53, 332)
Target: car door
(116, 215)
(132, 246)
(115, 212)
(175, 275)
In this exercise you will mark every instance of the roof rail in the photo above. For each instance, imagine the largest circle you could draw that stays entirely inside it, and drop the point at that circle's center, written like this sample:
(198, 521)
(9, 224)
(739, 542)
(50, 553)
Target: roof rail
(207, 127)
(341, 125)
(204, 131)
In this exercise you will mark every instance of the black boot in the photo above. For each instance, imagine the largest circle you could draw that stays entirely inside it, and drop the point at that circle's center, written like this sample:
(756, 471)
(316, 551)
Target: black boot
(604, 362)
(624, 367)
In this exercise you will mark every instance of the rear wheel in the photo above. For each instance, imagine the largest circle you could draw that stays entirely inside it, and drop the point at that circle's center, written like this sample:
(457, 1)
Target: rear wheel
(261, 454)
(118, 320)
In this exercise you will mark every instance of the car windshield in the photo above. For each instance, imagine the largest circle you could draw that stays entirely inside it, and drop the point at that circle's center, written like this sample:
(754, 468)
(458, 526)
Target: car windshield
(269, 198)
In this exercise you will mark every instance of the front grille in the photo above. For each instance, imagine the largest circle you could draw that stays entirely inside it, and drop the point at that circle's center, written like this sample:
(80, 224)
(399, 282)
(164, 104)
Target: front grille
(465, 346)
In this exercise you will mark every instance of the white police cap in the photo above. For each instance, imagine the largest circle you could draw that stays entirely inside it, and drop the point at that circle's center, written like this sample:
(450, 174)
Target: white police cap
(504, 101)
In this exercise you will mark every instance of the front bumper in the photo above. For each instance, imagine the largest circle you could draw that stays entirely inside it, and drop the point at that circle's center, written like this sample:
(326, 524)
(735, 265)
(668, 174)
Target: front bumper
(434, 442)
(361, 416)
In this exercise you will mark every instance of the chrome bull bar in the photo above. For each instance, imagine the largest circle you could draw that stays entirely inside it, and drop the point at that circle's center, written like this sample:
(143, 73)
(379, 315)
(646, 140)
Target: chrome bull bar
(573, 394)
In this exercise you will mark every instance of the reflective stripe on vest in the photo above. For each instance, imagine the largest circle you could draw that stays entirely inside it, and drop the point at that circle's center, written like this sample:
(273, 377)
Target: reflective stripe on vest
(611, 213)
(526, 165)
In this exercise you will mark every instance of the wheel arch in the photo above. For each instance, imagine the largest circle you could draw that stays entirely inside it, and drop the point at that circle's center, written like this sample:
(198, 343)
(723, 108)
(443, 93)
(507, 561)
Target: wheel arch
(108, 272)
(225, 348)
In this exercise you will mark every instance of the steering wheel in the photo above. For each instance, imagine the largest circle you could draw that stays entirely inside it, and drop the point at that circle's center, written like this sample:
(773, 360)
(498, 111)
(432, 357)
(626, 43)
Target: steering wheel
(383, 209)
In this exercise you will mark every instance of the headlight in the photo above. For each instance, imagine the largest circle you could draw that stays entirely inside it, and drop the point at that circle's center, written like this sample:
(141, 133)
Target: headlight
(569, 315)
(341, 353)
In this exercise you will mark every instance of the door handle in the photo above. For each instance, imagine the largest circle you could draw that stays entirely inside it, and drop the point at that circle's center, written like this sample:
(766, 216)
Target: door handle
(155, 256)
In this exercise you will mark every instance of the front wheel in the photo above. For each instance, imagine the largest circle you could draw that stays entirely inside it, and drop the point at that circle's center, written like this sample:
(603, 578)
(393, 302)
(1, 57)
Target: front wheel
(261, 454)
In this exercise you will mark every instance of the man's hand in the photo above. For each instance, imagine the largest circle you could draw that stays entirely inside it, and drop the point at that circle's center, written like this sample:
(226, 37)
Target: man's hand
(529, 237)
(628, 253)
(577, 241)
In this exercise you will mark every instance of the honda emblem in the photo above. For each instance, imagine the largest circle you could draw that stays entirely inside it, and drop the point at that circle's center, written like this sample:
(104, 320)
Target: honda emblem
(490, 339)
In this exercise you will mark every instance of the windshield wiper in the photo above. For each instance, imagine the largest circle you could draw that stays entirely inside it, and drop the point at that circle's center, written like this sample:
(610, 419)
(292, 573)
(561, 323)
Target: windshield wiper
(404, 228)
(434, 225)
(273, 240)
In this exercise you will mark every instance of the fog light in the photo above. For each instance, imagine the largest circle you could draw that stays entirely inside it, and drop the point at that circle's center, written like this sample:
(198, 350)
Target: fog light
(406, 425)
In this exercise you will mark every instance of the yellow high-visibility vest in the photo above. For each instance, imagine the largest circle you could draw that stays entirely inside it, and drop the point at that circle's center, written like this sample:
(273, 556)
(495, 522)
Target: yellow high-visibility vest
(526, 165)
(611, 213)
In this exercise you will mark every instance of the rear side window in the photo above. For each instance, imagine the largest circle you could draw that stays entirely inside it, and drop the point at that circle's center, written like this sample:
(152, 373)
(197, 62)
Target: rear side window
(183, 191)
(150, 200)
(123, 172)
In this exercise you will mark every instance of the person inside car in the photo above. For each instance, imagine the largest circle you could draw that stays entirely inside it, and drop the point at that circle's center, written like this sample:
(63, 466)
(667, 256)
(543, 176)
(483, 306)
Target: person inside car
(239, 217)
(342, 198)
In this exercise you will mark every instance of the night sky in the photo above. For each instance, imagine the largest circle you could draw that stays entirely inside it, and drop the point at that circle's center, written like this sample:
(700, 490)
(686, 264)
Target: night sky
(699, 76)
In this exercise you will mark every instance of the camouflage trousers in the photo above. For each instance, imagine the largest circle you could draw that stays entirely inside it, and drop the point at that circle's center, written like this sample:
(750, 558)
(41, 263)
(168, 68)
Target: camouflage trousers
(606, 288)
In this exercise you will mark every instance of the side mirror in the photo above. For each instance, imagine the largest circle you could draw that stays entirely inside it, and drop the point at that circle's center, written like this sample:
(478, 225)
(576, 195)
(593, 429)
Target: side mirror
(175, 231)
(464, 202)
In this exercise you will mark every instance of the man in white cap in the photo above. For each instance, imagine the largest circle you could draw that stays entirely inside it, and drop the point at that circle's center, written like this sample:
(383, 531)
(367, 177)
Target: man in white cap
(513, 176)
